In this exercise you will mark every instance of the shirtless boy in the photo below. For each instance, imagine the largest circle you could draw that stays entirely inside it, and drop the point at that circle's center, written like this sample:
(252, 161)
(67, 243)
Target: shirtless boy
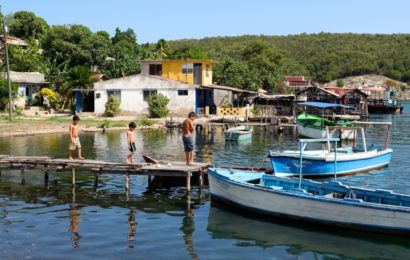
(74, 139)
(188, 138)
(131, 142)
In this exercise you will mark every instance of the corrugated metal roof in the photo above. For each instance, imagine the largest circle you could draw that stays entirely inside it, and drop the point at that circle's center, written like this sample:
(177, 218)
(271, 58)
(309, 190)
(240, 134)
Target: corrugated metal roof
(237, 90)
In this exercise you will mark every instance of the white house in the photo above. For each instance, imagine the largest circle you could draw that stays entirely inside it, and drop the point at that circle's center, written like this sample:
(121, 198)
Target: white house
(134, 90)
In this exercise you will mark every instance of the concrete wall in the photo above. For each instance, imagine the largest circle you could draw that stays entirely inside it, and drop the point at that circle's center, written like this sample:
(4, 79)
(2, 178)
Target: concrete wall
(132, 88)
(220, 96)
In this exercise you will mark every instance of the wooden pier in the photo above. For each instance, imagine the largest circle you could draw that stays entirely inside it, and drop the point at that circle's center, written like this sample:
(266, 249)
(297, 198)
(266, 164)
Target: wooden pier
(159, 168)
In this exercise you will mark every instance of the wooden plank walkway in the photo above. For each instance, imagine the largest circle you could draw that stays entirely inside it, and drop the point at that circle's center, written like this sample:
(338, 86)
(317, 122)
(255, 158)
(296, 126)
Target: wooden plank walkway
(161, 168)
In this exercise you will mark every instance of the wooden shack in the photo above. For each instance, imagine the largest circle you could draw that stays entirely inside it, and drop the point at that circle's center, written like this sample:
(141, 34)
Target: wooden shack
(317, 94)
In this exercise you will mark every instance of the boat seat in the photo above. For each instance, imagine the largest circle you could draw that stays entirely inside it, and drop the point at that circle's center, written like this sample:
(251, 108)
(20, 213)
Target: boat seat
(274, 187)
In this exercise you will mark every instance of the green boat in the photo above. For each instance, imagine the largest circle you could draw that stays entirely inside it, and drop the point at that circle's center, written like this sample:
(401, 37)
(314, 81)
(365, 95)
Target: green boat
(242, 132)
(313, 126)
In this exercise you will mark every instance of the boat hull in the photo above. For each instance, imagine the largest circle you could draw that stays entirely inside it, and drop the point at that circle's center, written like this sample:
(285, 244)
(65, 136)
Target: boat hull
(288, 165)
(382, 109)
(238, 133)
(316, 133)
(308, 208)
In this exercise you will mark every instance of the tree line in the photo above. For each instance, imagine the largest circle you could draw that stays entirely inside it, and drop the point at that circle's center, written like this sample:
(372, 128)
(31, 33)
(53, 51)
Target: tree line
(67, 54)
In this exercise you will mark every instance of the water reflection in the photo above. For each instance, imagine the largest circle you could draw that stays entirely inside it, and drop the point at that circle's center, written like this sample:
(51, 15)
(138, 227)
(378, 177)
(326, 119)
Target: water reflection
(74, 213)
(251, 232)
(132, 224)
(107, 219)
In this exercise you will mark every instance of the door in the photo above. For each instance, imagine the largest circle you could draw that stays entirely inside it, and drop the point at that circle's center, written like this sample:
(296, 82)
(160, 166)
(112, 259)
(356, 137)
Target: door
(197, 73)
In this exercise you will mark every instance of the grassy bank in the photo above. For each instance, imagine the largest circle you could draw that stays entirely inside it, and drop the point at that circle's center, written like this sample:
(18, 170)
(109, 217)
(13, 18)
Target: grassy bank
(24, 125)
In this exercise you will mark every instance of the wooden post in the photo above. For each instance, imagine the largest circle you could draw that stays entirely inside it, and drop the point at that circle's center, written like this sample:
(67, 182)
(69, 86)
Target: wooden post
(201, 179)
(127, 182)
(73, 177)
(188, 182)
(23, 180)
(46, 177)
(95, 180)
(73, 195)
(188, 205)
(149, 180)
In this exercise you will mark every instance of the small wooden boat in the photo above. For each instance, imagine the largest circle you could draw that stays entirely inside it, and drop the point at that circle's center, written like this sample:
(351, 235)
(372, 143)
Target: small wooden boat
(324, 203)
(350, 160)
(238, 133)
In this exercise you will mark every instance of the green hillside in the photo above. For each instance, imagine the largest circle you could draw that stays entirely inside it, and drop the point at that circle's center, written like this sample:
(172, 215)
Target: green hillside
(322, 57)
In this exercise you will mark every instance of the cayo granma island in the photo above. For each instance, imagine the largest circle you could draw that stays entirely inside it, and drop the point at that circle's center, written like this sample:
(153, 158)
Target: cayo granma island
(222, 147)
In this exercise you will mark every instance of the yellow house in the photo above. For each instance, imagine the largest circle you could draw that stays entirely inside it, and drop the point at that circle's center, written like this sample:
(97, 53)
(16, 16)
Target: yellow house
(187, 71)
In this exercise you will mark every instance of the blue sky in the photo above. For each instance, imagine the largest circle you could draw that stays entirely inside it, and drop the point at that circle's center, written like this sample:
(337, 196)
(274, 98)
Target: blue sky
(178, 19)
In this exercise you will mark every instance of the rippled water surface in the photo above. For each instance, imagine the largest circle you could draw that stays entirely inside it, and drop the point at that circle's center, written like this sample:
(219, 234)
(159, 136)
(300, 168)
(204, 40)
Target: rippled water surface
(59, 222)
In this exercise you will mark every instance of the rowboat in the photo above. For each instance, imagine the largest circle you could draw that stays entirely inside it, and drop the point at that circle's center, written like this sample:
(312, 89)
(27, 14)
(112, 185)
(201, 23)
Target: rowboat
(314, 126)
(238, 133)
(350, 159)
(325, 203)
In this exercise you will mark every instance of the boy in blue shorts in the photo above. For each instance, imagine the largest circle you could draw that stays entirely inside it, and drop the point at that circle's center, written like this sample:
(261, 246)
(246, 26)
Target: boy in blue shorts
(131, 142)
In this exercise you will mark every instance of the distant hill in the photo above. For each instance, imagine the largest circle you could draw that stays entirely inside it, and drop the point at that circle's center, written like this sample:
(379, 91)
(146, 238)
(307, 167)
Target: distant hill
(371, 81)
(322, 57)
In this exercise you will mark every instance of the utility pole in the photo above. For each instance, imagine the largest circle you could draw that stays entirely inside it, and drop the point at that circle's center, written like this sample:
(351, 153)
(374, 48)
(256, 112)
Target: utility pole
(8, 69)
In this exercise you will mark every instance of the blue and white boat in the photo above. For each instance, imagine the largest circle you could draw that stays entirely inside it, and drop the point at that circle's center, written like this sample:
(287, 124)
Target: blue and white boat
(325, 203)
(350, 160)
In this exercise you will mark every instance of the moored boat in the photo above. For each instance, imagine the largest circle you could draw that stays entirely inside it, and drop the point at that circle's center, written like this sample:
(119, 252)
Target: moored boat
(350, 159)
(314, 126)
(238, 133)
(326, 203)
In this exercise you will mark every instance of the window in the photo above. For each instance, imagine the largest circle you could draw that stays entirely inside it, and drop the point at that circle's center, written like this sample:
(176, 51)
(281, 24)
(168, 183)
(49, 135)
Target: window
(147, 93)
(187, 68)
(155, 69)
(98, 95)
(183, 92)
(115, 93)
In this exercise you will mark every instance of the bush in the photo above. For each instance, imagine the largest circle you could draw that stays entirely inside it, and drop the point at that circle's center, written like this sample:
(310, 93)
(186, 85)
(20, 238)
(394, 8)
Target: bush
(112, 107)
(52, 97)
(157, 105)
(4, 92)
(255, 111)
(18, 110)
(105, 124)
(144, 122)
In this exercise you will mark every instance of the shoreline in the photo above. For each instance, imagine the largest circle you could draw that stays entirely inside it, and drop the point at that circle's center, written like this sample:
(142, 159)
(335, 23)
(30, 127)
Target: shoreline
(52, 124)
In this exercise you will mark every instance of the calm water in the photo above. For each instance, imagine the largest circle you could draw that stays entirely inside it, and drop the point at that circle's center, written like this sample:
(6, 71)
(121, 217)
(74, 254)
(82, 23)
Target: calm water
(55, 222)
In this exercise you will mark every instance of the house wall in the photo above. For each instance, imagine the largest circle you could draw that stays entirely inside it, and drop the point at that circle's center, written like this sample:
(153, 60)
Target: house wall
(172, 69)
(132, 88)
(221, 96)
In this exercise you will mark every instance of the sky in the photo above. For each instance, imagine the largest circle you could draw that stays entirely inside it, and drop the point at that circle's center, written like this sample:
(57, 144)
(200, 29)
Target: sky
(192, 19)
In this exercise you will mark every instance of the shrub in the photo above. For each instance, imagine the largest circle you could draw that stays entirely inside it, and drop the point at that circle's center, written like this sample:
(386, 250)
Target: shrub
(52, 96)
(144, 121)
(255, 111)
(340, 83)
(157, 105)
(112, 107)
(105, 124)
(18, 110)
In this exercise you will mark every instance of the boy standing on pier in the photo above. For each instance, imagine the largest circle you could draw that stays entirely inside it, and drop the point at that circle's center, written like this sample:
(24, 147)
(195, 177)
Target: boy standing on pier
(74, 139)
(188, 138)
(131, 142)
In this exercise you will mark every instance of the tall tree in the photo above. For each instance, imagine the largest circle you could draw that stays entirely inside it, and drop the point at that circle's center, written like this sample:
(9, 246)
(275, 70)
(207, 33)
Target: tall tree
(27, 25)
